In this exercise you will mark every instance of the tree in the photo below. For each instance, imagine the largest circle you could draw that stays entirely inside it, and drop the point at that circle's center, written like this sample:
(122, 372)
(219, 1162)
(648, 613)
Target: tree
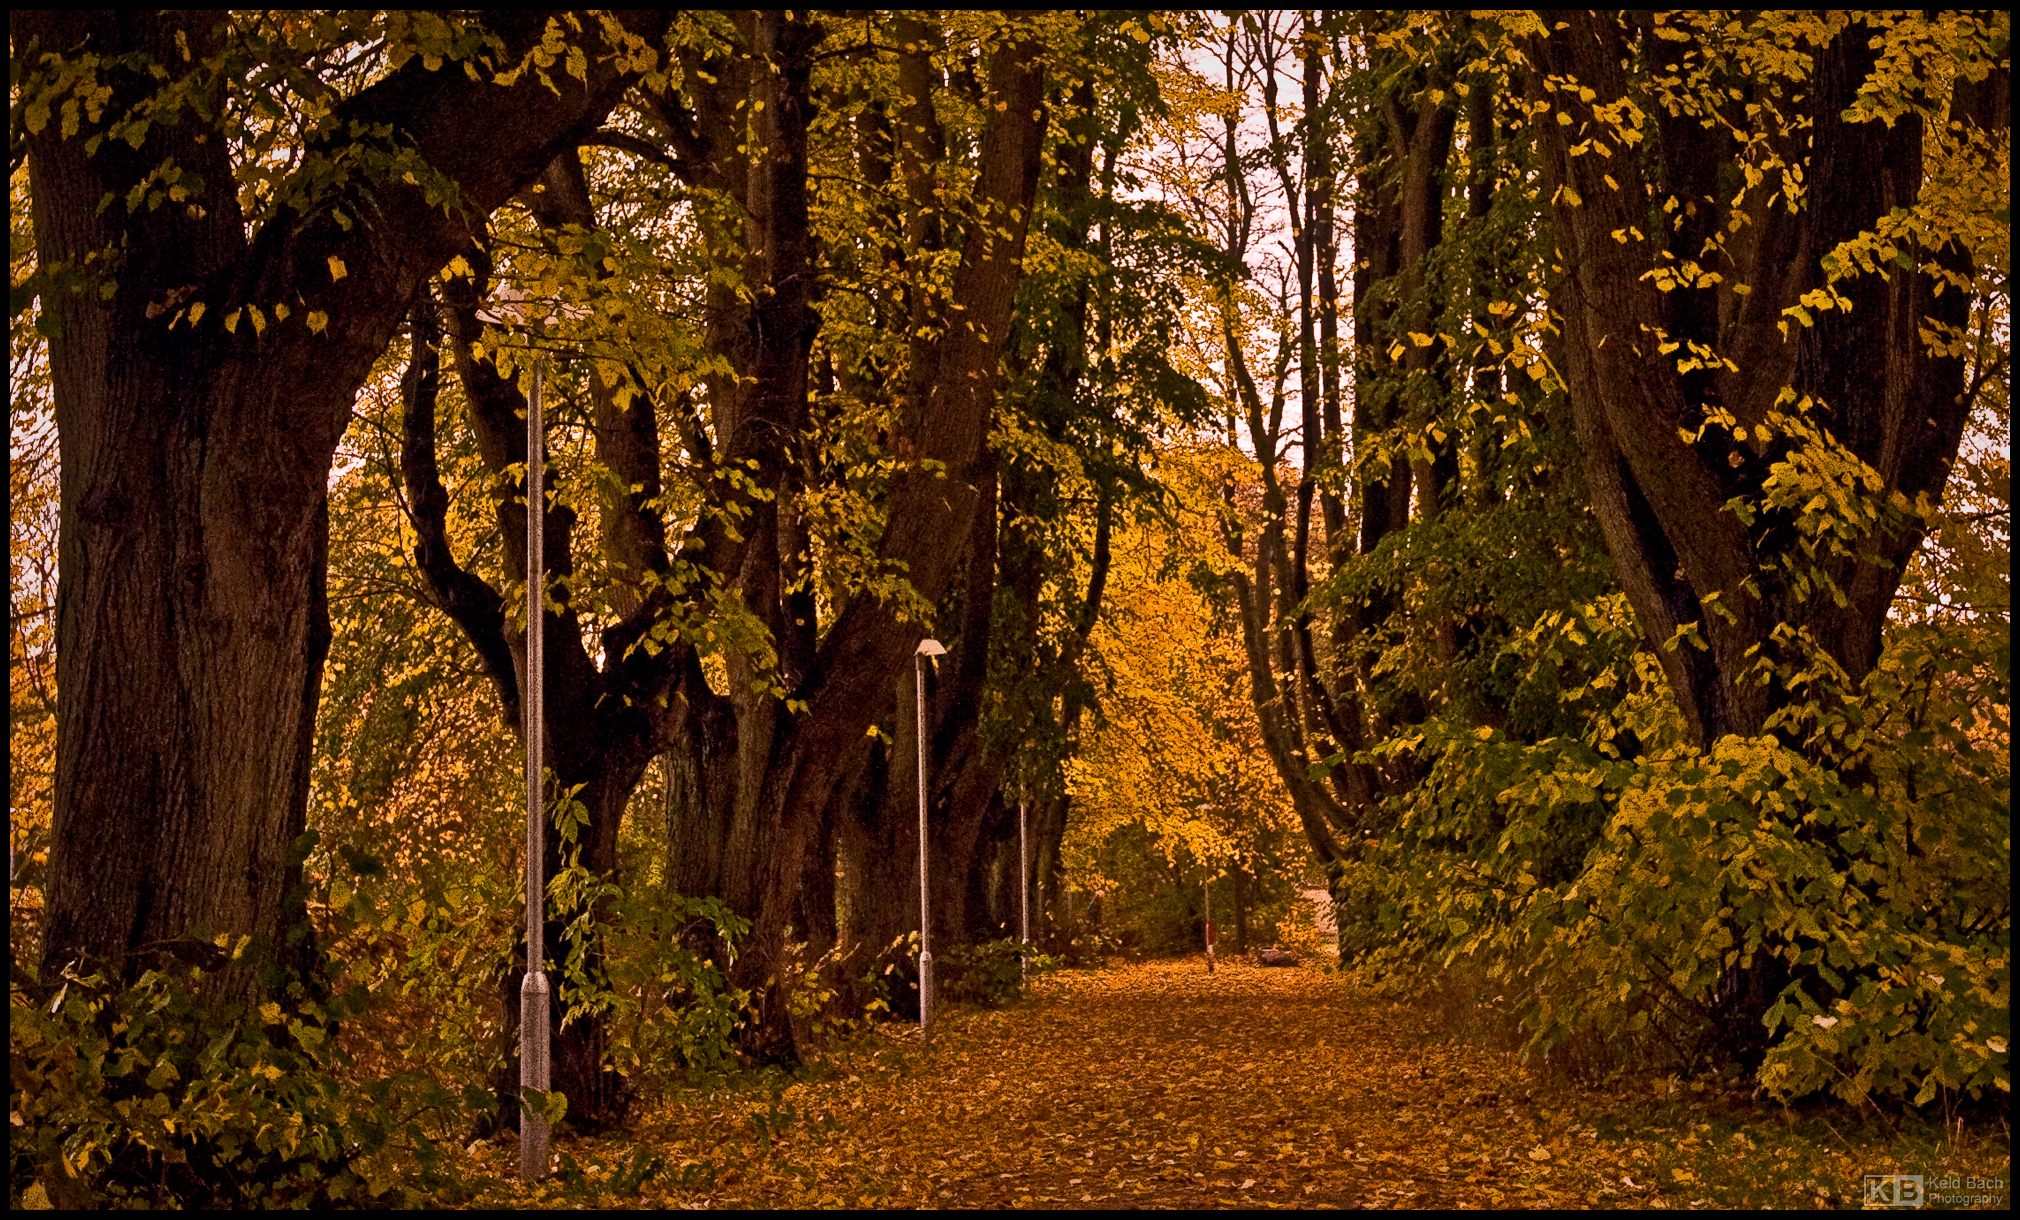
(209, 319)
(1361, 572)
(773, 817)
(1762, 474)
(1176, 758)
(718, 544)
(1780, 471)
(1088, 384)
(1513, 694)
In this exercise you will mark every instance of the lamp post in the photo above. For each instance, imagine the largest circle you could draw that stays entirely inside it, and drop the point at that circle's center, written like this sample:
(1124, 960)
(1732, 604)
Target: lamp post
(533, 991)
(1207, 886)
(1023, 889)
(927, 648)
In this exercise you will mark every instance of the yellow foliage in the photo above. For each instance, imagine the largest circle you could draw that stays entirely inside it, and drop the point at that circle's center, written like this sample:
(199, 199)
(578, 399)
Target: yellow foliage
(1179, 750)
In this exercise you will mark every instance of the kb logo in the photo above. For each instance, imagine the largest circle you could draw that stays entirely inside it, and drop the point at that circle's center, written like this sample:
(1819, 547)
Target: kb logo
(1894, 1190)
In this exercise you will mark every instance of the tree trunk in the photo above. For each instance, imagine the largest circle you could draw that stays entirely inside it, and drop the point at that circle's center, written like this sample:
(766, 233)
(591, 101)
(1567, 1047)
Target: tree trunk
(1681, 458)
(1240, 910)
(191, 626)
(1662, 469)
(879, 857)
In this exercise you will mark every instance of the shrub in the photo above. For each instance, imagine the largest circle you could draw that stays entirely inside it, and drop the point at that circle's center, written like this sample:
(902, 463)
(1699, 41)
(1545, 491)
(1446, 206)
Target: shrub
(1853, 864)
(990, 972)
(152, 1094)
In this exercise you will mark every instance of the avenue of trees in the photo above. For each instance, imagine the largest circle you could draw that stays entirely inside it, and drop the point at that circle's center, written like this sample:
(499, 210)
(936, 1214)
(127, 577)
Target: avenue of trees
(1543, 476)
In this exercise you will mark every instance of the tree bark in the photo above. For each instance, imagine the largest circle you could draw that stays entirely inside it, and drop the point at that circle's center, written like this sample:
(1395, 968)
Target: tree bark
(1661, 479)
(191, 621)
(1677, 388)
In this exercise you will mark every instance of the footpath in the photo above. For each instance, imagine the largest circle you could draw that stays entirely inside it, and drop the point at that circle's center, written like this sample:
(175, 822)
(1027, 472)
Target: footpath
(1158, 1085)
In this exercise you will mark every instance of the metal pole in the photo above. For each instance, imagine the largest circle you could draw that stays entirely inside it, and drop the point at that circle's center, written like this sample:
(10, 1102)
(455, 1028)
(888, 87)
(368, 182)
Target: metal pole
(533, 992)
(1208, 887)
(1023, 892)
(925, 921)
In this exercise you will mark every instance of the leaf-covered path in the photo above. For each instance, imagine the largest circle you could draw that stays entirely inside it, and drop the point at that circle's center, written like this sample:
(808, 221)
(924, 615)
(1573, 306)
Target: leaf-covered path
(1157, 1085)
(1160, 1084)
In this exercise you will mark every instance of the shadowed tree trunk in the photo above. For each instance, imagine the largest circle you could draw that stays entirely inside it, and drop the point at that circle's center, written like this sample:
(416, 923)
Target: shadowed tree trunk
(1661, 481)
(878, 851)
(196, 450)
(780, 787)
(1672, 443)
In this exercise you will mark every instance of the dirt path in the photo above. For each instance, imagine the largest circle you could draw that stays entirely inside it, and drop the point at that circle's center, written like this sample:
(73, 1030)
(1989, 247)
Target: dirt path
(1156, 1085)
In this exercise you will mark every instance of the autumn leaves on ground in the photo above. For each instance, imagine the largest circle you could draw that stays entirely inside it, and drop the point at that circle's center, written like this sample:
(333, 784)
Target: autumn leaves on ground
(1158, 1085)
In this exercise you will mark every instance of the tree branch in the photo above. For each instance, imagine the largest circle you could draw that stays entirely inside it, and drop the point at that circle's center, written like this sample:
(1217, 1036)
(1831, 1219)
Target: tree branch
(474, 605)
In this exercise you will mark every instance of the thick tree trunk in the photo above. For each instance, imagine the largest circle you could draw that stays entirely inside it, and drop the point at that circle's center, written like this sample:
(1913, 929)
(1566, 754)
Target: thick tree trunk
(1668, 448)
(1661, 478)
(796, 770)
(1048, 872)
(701, 796)
(191, 627)
(992, 876)
(879, 856)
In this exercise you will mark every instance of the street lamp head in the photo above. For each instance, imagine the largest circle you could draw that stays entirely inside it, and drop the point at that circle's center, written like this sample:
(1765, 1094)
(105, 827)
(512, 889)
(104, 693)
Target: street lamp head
(930, 647)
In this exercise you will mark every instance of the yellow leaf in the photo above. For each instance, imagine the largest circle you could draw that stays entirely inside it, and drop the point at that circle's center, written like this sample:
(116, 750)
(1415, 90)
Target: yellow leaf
(337, 269)
(318, 320)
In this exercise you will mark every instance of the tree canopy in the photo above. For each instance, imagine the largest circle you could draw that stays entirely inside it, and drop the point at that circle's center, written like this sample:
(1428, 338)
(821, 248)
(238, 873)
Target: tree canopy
(1543, 477)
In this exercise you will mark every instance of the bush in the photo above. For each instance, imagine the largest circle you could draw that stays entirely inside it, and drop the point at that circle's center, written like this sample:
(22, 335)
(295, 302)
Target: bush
(1850, 869)
(152, 1095)
(990, 972)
